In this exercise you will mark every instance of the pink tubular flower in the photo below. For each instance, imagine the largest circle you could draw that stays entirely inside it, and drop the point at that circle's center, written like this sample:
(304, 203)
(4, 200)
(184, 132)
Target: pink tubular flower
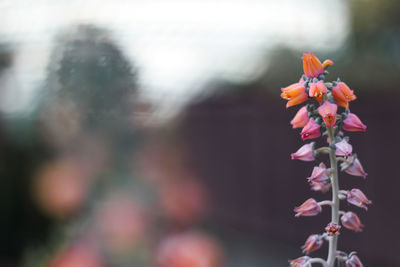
(342, 94)
(353, 124)
(351, 221)
(322, 186)
(300, 262)
(313, 243)
(318, 90)
(301, 118)
(343, 148)
(328, 113)
(312, 66)
(357, 198)
(356, 169)
(305, 153)
(311, 130)
(353, 261)
(319, 174)
(332, 229)
(295, 93)
(308, 208)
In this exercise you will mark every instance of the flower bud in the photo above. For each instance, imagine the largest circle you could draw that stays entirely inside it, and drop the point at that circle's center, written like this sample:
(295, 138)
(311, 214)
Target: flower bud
(309, 208)
(353, 261)
(300, 262)
(342, 94)
(357, 198)
(311, 130)
(301, 118)
(328, 113)
(351, 221)
(343, 148)
(332, 229)
(313, 243)
(305, 153)
(356, 169)
(318, 90)
(353, 124)
(311, 65)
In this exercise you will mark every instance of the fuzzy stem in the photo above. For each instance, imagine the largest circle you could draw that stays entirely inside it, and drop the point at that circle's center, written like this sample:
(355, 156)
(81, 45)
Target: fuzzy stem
(318, 260)
(335, 198)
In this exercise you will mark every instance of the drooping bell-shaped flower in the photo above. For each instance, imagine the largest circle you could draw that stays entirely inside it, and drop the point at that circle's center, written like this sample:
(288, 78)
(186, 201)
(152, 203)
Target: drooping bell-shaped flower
(328, 113)
(351, 221)
(343, 148)
(322, 186)
(295, 93)
(309, 208)
(356, 197)
(313, 243)
(319, 174)
(301, 118)
(318, 90)
(312, 66)
(356, 169)
(353, 261)
(332, 229)
(353, 124)
(342, 94)
(300, 262)
(311, 130)
(305, 153)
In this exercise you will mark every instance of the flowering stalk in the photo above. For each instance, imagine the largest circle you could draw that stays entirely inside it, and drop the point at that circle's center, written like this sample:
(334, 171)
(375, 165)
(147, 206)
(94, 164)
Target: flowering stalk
(321, 119)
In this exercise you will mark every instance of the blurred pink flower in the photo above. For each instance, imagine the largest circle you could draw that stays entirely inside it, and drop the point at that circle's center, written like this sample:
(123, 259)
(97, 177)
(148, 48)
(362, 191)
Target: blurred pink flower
(77, 256)
(356, 197)
(60, 188)
(318, 90)
(183, 201)
(328, 113)
(319, 174)
(353, 124)
(353, 261)
(351, 221)
(121, 223)
(313, 243)
(311, 130)
(301, 118)
(343, 148)
(309, 208)
(356, 169)
(189, 250)
(322, 186)
(304, 153)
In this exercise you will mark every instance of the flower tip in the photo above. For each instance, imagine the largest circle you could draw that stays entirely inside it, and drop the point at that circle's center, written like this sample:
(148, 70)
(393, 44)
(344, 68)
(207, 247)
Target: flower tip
(327, 63)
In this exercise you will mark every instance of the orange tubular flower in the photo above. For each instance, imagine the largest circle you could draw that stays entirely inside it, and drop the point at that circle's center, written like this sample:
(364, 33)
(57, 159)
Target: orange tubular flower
(342, 94)
(312, 66)
(328, 113)
(295, 93)
(318, 90)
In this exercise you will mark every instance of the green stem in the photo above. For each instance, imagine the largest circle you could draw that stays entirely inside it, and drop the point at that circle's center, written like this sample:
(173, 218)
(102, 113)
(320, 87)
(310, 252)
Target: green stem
(335, 198)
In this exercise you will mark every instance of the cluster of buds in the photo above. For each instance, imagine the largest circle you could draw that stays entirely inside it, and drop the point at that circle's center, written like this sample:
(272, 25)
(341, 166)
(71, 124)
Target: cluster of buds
(321, 118)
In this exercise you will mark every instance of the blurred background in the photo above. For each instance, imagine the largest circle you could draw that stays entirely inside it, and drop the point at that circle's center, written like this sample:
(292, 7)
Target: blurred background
(151, 133)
